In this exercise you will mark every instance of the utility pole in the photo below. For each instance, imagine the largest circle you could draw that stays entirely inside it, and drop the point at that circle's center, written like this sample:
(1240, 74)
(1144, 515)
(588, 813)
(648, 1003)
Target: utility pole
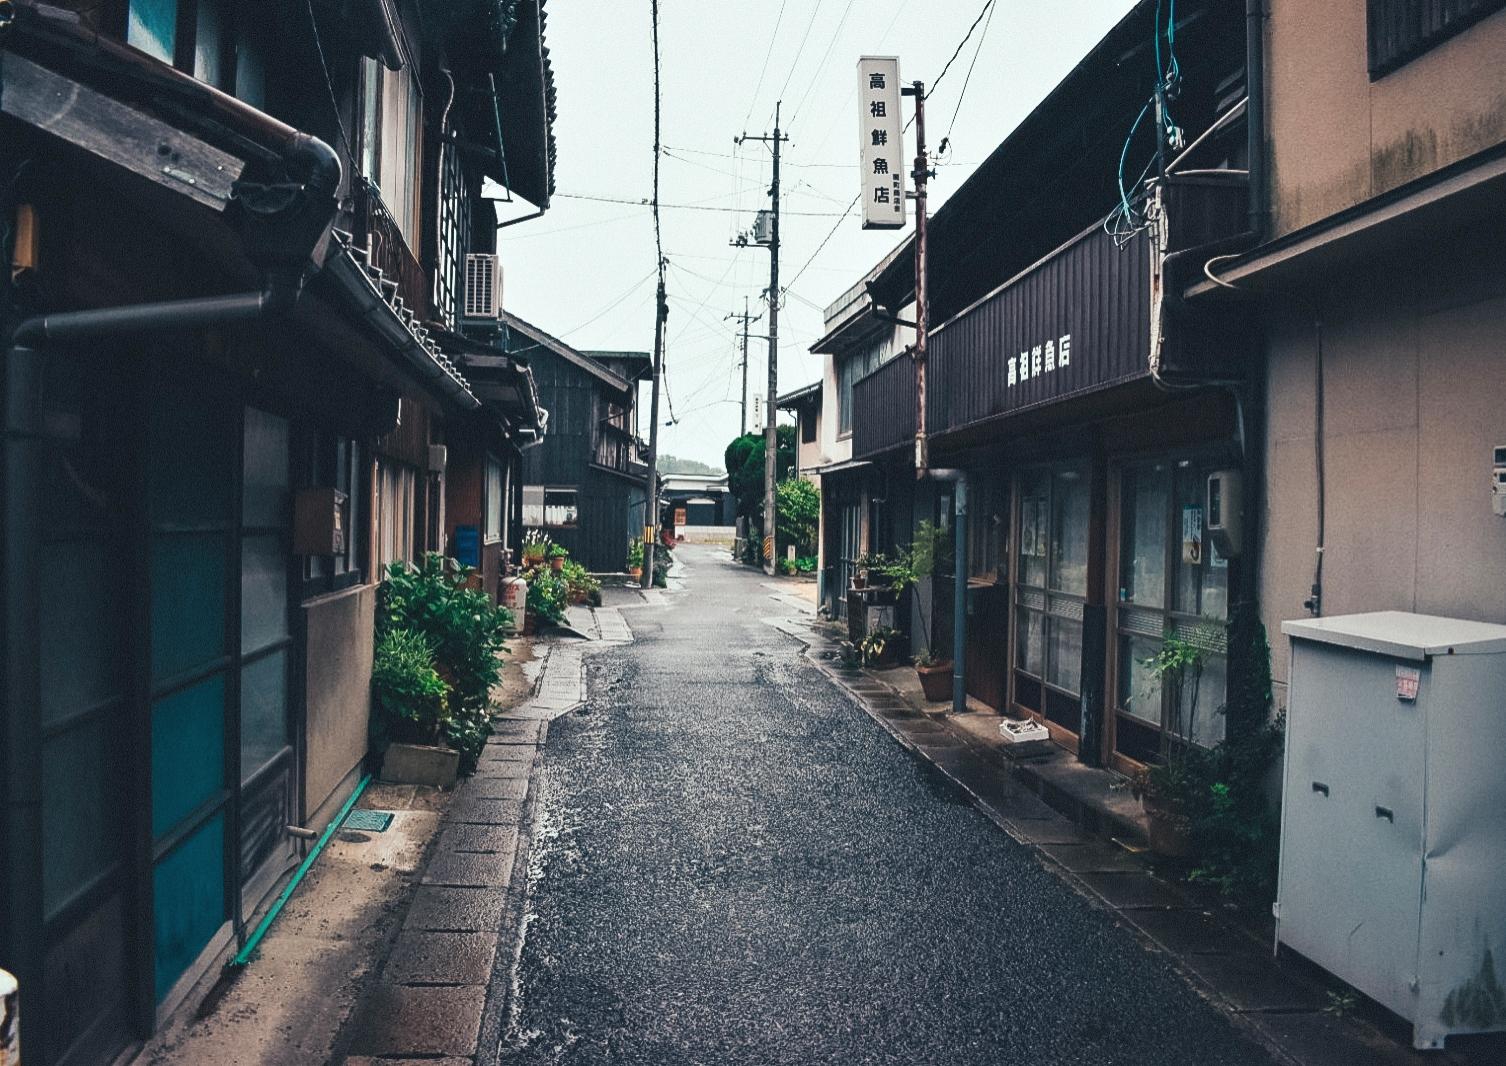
(651, 489)
(745, 318)
(661, 312)
(918, 352)
(771, 436)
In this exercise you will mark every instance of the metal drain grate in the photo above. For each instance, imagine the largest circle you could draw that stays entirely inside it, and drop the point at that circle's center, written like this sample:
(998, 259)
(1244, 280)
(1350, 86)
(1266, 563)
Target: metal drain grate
(368, 821)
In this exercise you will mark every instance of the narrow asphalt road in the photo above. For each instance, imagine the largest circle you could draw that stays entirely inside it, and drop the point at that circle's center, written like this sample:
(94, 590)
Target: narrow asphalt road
(736, 866)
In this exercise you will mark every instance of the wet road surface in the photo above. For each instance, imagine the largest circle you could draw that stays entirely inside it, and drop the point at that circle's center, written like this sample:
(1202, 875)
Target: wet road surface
(736, 866)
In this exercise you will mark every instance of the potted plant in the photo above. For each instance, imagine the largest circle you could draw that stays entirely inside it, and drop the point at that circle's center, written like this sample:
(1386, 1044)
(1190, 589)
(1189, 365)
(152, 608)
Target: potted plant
(880, 647)
(557, 556)
(935, 676)
(536, 545)
(635, 558)
(1166, 788)
(413, 701)
(463, 630)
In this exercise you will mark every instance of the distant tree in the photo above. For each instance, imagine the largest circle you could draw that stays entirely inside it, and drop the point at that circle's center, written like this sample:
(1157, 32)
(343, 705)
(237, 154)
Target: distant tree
(744, 458)
(673, 464)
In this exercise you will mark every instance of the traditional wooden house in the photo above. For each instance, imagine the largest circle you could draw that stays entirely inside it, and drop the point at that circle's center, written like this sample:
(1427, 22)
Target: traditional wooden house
(1083, 405)
(585, 485)
(235, 232)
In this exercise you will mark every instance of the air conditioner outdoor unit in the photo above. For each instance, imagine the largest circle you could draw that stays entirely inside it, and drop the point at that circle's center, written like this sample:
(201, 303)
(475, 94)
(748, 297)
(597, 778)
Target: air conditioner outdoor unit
(483, 286)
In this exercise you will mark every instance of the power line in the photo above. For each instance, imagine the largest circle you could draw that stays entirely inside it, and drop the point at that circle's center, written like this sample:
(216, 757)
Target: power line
(967, 80)
(632, 289)
(683, 207)
(328, 85)
(821, 64)
(806, 36)
(753, 101)
(824, 241)
(987, 5)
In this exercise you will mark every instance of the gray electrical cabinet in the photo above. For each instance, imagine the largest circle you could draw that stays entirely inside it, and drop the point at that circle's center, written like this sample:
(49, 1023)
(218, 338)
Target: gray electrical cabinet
(1393, 819)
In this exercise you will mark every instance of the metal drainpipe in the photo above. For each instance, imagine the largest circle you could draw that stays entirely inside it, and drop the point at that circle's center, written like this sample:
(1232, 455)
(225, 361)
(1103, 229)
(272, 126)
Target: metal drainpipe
(959, 572)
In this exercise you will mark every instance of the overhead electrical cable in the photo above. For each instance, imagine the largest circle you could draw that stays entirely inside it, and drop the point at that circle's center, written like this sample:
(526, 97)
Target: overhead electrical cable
(681, 207)
(931, 90)
(763, 70)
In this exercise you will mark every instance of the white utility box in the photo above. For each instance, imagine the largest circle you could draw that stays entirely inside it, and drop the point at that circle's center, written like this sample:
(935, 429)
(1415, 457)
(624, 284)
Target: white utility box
(1393, 821)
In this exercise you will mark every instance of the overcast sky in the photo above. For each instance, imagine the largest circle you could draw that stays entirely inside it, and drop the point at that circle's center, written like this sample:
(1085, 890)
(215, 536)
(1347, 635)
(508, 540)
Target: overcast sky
(584, 271)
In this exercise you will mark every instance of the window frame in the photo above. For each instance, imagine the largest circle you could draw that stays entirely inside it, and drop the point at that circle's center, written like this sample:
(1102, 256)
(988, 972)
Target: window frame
(1128, 619)
(542, 497)
(1044, 600)
(1397, 31)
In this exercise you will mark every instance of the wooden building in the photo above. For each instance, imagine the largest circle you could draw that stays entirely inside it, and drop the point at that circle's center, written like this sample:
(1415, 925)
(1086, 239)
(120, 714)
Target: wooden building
(585, 484)
(237, 243)
(1083, 406)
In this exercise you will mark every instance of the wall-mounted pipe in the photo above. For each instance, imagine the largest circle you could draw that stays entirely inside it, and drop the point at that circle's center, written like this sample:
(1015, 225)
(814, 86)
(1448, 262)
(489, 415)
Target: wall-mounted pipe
(959, 576)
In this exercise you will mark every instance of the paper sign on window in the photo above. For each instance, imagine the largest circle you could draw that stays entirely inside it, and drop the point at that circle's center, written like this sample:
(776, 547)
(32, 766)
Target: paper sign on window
(1192, 535)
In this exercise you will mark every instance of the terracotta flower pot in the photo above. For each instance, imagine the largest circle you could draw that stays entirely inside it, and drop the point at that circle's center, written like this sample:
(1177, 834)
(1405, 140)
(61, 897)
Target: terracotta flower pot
(936, 680)
(635, 572)
(557, 563)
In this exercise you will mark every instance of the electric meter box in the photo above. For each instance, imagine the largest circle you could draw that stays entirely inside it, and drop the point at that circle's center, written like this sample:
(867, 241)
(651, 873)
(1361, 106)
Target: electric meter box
(1225, 512)
(1393, 819)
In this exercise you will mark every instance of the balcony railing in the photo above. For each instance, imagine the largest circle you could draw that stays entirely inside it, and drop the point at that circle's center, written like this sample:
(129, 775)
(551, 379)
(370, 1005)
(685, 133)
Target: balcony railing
(1077, 322)
(387, 250)
(883, 408)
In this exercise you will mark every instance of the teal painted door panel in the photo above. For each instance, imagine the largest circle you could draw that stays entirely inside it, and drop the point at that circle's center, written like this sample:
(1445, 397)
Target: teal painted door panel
(188, 902)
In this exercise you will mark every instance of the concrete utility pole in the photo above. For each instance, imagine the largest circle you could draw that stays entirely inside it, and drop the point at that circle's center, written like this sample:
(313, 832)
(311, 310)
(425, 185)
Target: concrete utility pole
(661, 312)
(771, 435)
(918, 352)
(746, 319)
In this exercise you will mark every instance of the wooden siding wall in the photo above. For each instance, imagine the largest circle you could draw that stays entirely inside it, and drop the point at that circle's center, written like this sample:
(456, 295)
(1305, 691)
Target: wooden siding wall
(883, 408)
(607, 517)
(1092, 290)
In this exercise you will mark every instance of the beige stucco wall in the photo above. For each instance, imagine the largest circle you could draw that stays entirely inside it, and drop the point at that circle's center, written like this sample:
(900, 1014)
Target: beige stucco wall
(337, 692)
(1415, 401)
(1338, 139)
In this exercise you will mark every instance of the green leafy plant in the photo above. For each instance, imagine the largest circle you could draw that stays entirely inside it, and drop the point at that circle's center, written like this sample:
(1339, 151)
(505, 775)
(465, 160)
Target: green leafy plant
(786, 567)
(548, 594)
(413, 698)
(1341, 1004)
(805, 564)
(930, 551)
(1221, 792)
(797, 515)
(557, 551)
(536, 545)
(879, 645)
(465, 631)
(663, 558)
(582, 586)
(635, 554)
(928, 658)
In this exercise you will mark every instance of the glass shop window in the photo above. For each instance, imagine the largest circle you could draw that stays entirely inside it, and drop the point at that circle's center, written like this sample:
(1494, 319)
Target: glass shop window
(988, 530)
(1171, 581)
(1052, 584)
